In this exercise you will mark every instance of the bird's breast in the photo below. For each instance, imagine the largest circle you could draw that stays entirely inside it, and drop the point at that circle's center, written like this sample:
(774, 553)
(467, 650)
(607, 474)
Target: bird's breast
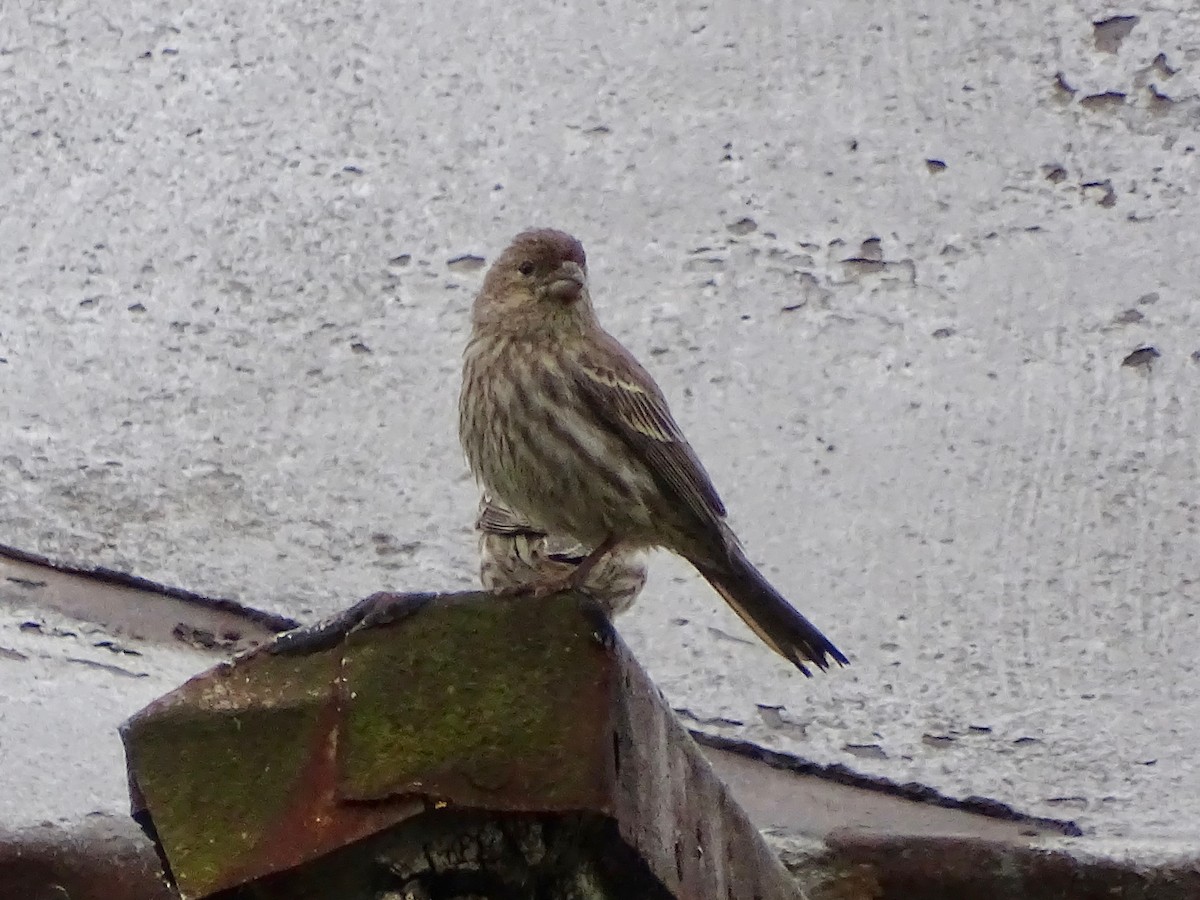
(534, 441)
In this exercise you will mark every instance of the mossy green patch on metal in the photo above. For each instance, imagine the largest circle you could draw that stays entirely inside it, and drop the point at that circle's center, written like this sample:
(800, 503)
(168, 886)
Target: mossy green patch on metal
(498, 703)
(217, 765)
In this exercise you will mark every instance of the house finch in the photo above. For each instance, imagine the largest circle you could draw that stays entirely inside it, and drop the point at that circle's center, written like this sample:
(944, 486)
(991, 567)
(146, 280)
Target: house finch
(513, 555)
(562, 424)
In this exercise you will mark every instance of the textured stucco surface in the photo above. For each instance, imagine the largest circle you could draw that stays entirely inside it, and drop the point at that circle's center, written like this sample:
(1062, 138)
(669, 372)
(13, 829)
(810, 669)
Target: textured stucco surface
(64, 688)
(230, 334)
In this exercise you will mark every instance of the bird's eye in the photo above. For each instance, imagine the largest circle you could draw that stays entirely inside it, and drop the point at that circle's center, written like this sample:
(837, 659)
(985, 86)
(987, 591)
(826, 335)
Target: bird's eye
(525, 268)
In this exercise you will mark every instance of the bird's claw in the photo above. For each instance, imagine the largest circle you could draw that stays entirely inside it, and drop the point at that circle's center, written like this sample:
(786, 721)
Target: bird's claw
(537, 589)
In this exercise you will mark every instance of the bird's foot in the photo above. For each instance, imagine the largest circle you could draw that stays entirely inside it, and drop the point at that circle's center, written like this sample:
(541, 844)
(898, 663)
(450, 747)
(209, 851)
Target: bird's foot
(547, 587)
(537, 588)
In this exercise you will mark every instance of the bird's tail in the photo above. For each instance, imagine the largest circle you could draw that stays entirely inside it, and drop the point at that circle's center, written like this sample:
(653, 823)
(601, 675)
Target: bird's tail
(769, 615)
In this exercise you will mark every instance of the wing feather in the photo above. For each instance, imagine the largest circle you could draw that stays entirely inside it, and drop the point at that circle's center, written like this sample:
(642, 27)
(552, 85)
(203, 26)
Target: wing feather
(496, 518)
(624, 395)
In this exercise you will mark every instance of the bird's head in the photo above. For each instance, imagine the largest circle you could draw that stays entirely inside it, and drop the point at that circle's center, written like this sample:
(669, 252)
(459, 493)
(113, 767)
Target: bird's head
(539, 280)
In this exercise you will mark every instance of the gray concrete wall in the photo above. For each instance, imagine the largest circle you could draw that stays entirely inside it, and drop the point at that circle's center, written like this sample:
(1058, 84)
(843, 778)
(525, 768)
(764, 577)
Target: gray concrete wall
(230, 333)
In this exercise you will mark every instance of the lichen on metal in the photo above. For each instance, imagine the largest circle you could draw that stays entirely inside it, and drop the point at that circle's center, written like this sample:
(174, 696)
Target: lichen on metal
(412, 714)
(217, 761)
(481, 701)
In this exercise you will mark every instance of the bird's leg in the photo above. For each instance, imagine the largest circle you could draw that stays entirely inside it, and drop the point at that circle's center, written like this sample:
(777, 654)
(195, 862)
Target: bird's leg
(571, 578)
(584, 569)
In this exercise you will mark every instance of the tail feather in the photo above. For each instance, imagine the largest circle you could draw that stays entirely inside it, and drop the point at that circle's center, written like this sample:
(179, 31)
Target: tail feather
(779, 624)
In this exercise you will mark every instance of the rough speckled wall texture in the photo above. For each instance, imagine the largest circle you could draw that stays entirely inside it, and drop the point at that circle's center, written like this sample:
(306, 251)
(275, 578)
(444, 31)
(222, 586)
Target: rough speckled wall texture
(886, 260)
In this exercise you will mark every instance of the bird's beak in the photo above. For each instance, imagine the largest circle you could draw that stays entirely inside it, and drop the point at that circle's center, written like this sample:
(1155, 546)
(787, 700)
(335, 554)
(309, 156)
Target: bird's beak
(569, 282)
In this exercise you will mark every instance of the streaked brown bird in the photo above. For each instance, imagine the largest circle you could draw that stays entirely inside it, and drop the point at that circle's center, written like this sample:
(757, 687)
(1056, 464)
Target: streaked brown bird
(514, 556)
(562, 424)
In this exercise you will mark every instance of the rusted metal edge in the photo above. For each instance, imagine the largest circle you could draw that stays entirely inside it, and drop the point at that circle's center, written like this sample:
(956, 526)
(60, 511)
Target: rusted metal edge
(933, 868)
(100, 858)
(912, 791)
(267, 620)
(673, 807)
(107, 858)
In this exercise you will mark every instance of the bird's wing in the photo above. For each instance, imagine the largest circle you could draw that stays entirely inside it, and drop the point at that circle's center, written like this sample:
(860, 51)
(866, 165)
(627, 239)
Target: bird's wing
(496, 518)
(624, 395)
